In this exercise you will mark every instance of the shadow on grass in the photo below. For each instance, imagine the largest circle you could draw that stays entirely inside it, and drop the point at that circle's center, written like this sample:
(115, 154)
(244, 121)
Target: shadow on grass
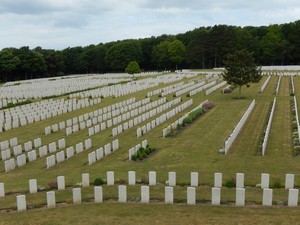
(240, 98)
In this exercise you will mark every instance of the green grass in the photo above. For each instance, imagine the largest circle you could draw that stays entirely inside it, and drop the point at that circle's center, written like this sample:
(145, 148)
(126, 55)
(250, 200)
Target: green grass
(193, 149)
(134, 213)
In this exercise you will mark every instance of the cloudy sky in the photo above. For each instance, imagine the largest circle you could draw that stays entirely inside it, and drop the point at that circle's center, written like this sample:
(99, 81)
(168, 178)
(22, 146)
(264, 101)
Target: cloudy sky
(58, 24)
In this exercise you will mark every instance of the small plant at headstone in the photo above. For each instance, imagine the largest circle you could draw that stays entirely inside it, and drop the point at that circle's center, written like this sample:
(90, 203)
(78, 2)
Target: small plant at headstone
(208, 105)
(230, 183)
(98, 182)
(142, 153)
(52, 185)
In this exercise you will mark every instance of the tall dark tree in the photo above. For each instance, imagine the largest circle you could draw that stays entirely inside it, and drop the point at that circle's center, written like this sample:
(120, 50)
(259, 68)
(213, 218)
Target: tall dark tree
(160, 55)
(120, 54)
(197, 50)
(241, 69)
(8, 63)
(176, 52)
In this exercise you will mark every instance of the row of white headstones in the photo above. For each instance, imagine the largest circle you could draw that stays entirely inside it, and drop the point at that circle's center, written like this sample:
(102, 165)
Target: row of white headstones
(35, 112)
(262, 88)
(130, 87)
(38, 88)
(174, 125)
(50, 161)
(238, 127)
(92, 118)
(163, 118)
(21, 160)
(293, 194)
(268, 128)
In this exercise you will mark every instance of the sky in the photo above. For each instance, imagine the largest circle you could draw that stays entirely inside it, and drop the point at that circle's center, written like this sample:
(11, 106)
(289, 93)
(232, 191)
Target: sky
(59, 24)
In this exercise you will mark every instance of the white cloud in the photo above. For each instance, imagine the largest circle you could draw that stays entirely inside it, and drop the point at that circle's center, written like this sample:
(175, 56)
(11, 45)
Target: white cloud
(62, 23)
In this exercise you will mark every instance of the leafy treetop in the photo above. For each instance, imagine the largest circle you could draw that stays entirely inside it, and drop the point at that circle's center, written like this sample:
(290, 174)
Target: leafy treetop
(241, 69)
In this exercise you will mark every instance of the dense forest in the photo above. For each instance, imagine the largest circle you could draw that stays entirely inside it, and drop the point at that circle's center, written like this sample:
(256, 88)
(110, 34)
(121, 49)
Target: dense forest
(204, 47)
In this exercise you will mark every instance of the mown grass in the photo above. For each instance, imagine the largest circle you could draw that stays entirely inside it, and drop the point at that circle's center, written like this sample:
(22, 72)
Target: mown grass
(135, 213)
(193, 149)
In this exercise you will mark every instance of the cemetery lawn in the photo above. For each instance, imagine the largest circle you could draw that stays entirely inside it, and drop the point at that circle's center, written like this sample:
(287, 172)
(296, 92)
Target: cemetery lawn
(195, 149)
(160, 214)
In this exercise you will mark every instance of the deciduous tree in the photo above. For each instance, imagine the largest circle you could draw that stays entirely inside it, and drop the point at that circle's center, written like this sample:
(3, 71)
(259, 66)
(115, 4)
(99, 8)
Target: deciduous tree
(241, 69)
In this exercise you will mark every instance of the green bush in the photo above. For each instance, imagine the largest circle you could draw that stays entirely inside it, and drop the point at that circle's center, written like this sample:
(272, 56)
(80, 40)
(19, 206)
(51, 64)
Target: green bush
(297, 149)
(133, 157)
(230, 183)
(98, 182)
(142, 153)
(147, 151)
(187, 120)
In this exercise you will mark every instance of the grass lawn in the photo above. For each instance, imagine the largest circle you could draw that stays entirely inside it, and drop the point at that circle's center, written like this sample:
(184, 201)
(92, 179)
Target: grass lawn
(193, 149)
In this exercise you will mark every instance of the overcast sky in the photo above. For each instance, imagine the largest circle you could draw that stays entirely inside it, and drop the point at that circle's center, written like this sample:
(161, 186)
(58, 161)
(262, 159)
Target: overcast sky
(58, 24)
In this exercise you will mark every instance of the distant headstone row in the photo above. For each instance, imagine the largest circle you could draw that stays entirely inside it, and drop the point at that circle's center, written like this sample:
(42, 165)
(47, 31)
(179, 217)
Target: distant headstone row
(174, 125)
(238, 127)
(268, 128)
(38, 111)
(101, 152)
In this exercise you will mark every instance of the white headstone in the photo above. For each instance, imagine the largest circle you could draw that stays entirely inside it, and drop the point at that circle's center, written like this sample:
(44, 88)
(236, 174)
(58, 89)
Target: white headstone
(92, 157)
(61, 183)
(87, 144)
(152, 178)
(144, 143)
(21, 203)
(79, 148)
(37, 142)
(265, 180)
(218, 180)
(85, 180)
(107, 149)
(139, 132)
(68, 131)
(216, 196)
(122, 190)
(191, 196)
(61, 143)
(62, 125)
(115, 145)
(51, 203)
(289, 181)
(2, 191)
(52, 147)
(110, 178)
(239, 180)
(99, 154)
(76, 195)
(169, 195)
(172, 179)
(98, 194)
(70, 152)
(13, 142)
(91, 131)
(194, 179)
(32, 186)
(267, 197)
(47, 130)
(131, 177)
(293, 197)
(240, 197)
(145, 194)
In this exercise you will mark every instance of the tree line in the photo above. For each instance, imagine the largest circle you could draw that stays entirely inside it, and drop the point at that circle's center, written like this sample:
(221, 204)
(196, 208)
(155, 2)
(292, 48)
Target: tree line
(204, 47)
